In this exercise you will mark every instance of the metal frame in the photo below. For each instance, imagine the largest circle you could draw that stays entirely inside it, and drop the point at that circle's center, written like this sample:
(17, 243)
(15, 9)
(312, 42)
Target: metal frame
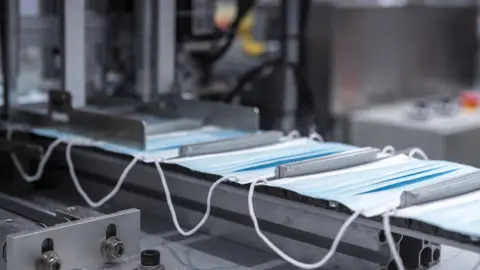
(10, 26)
(24, 249)
(165, 46)
(73, 51)
(296, 235)
(111, 124)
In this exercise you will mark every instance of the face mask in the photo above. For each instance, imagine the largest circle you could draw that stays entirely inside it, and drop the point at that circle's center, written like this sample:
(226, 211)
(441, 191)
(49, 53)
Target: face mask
(161, 146)
(330, 183)
(373, 187)
(454, 214)
(260, 160)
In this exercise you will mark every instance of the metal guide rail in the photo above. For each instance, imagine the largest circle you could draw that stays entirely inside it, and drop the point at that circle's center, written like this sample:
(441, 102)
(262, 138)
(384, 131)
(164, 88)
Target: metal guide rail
(70, 238)
(132, 125)
(418, 242)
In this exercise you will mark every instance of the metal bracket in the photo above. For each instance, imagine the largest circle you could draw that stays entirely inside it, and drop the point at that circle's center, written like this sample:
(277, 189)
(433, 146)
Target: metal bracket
(244, 142)
(212, 113)
(59, 102)
(448, 188)
(76, 213)
(328, 163)
(78, 243)
(120, 126)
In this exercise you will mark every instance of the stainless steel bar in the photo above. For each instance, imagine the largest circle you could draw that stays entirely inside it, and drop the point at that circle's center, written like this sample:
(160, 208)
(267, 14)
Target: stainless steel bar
(174, 125)
(165, 50)
(73, 50)
(441, 190)
(290, 16)
(28, 210)
(244, 142)
(322, 164)
(10, 53)
(144, 50)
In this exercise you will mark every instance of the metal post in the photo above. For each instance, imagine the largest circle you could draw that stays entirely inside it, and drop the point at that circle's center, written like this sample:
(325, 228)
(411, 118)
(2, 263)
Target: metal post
(10, 52)
(73, 50)
(48, 8)
(143, 51)
(165, 49)
(290, 21)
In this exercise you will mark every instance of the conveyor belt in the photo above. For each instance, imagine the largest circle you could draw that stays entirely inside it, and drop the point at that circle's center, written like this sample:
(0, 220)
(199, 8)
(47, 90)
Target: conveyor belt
(230, 204)
(291, 202)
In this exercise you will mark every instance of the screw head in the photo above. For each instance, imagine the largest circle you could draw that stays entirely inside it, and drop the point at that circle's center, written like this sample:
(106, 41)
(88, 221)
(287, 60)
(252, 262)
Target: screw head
(49, 261)
(113, 248)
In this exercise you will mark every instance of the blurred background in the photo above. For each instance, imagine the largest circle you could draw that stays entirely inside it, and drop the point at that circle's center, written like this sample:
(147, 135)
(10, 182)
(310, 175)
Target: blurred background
(369, 72)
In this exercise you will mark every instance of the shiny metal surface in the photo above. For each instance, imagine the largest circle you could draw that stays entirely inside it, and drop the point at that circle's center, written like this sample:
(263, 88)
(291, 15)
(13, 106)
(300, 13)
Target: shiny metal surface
(24, 249)
(381, 54)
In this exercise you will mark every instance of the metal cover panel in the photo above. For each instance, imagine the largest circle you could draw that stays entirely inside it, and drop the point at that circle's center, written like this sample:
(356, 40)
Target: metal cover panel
(77, 243)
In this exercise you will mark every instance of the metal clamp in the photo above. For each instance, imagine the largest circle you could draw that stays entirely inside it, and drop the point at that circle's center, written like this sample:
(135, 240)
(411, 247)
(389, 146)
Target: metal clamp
(328, 163)
(448, 188)
(244, 142)
(212, 113)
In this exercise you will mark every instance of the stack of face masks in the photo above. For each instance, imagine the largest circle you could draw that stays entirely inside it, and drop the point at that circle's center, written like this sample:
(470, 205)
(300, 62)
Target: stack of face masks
(259, 163)
(458, 214)
(375, 187)
(159, 146)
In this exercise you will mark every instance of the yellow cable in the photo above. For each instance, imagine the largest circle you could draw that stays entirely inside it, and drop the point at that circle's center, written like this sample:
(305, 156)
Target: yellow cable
(250, 46)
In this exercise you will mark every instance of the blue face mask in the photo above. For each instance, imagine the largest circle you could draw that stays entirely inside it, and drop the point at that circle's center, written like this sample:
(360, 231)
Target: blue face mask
(455, 214)
(160, 146)
(375, 186)
(343, 179)
(260, 160)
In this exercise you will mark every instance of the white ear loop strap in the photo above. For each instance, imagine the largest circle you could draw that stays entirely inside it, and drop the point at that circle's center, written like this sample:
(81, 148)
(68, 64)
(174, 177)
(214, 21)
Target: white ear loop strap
(390, 150)
(284, 256)
(316, 137)
(386, 220)
(172, 209)
(293, 134)
(81, 191)
(41, 165)
(417, 152)
(391, 242)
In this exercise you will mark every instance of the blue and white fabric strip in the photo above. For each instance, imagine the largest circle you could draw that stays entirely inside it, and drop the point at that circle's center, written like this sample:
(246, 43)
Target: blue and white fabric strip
(458, 214)
(259, 163)
(161, 146)
(375, 187)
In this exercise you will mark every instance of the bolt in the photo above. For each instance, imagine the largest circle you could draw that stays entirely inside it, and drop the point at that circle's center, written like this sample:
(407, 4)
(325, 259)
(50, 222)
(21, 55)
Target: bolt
(49, 261)
(112, 248)
(71, 209)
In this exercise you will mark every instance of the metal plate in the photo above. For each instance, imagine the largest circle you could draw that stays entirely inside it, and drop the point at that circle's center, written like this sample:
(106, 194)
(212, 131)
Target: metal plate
(77, 243)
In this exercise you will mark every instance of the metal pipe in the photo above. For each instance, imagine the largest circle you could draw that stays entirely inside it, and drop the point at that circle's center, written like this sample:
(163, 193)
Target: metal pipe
(73, 50)
(289, 25)
(10, 28)
(144, 52)
(165, 46)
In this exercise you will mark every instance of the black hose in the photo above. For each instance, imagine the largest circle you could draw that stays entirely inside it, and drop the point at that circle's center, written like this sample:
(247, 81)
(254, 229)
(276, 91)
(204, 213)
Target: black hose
(244, 7)
(256, 72)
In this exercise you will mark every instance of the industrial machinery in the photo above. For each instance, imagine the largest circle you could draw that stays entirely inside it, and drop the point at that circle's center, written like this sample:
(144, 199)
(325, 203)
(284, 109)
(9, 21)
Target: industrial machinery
(441, 126)
(159, 147)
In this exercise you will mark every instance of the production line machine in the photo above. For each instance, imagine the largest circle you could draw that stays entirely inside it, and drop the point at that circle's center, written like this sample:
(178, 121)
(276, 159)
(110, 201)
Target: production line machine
(187, 163)
(288, 215)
